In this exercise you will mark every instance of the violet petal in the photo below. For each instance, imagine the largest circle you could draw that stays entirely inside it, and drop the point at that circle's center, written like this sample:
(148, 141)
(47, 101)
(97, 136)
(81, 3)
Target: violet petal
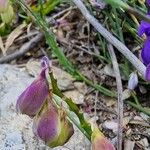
(51, 125)
(148, 2)
(145, 53)
(144, 28)
(147, 76)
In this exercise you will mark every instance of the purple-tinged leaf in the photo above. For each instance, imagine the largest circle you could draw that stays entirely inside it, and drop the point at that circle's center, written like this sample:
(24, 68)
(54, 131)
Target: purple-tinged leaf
(31, 100)
(46, 122)
(51, 125)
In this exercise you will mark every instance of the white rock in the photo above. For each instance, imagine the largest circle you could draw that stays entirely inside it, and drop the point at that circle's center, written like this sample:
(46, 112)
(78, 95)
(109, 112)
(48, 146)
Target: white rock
(129, 145)
(111, 125)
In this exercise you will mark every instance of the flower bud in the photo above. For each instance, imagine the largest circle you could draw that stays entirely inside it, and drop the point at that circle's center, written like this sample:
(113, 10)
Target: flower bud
(3, 5)
(51, 125)
(133, 81)
(99, 142)
(31, 100)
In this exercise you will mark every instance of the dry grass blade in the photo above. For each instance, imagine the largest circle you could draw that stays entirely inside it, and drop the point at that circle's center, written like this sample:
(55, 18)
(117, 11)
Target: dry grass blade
(120, 95)
(2, 46)
(13, 35)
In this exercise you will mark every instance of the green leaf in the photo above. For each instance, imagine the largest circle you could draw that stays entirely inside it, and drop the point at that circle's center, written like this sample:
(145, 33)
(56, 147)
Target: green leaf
(48, 6)
(117, 3)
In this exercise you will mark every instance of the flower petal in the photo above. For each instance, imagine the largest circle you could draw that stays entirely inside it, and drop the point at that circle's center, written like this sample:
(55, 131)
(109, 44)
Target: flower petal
(147, 76)
(144, 28)
(148, 2)
(145, 54)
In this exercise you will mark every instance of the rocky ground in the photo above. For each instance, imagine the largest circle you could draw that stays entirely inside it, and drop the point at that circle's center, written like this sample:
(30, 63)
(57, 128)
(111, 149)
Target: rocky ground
(16, 129)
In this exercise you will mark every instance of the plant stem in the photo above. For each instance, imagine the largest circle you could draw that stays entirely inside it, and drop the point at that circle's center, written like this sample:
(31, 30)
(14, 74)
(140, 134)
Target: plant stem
(138, 14)
(135, 98)
(120, 95)
(140, 108)
(96, 86)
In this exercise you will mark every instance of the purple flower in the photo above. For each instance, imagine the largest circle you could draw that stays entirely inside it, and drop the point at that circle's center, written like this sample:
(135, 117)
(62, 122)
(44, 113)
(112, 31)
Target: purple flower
(145, 53)
(144, 28)
(147, 76)
(51, 125)
(148, 2)
(31, 100)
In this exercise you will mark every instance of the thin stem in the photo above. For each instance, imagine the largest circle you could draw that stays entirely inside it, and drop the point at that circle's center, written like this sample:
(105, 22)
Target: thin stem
(138, 14)
(97, 86)
(135, 98)
(140, 108)
(120, 95)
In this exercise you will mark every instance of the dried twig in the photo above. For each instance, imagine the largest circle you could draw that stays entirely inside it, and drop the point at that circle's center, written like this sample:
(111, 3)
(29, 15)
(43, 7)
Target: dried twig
(25, 48)
(95, 106)
(120, 95)
(110, 38)
(60, 14)
(33, 42)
